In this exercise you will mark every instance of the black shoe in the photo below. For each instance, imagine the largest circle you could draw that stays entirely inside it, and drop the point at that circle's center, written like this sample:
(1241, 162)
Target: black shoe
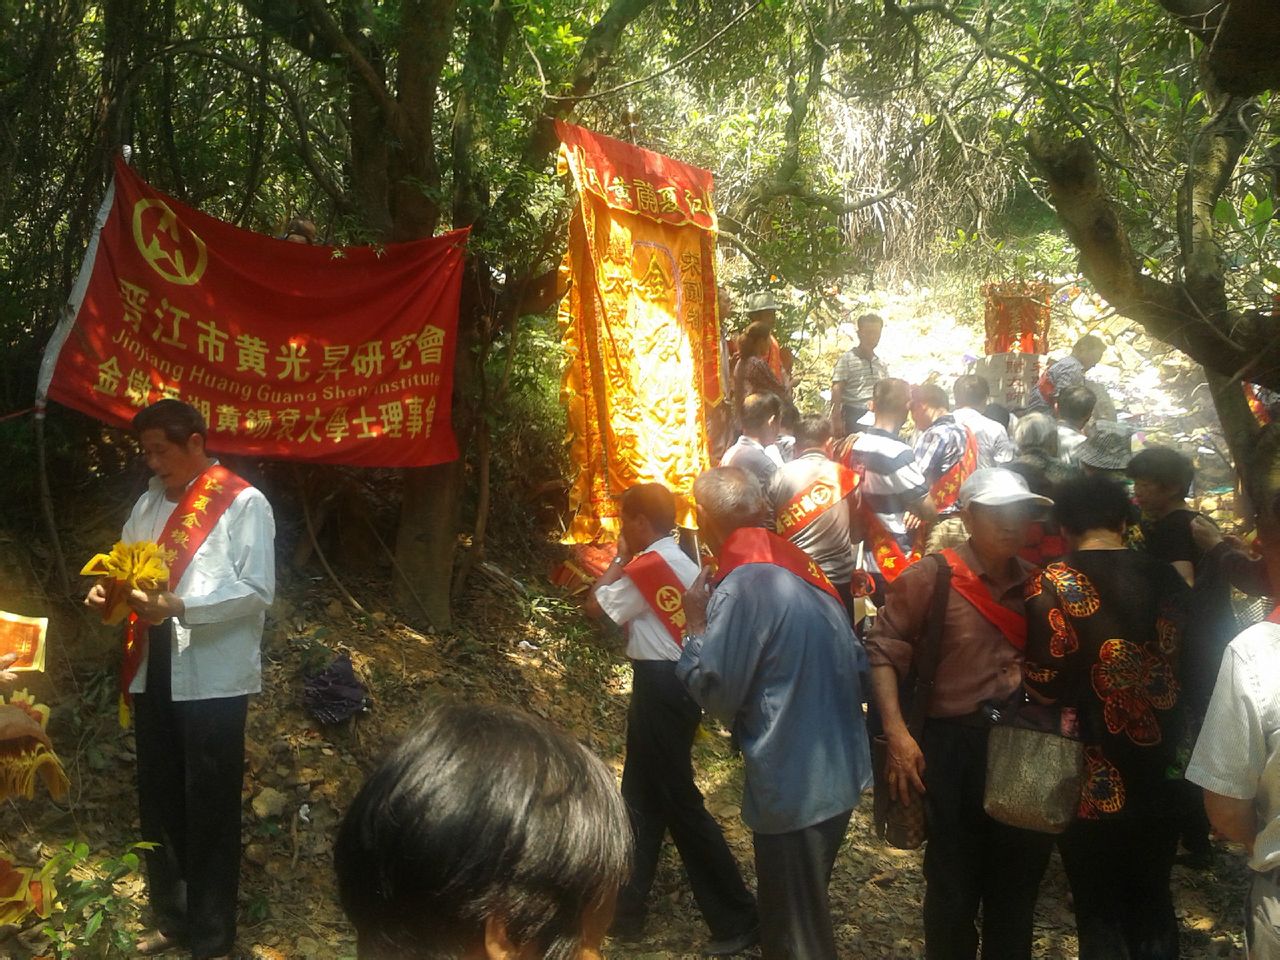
(729, 946)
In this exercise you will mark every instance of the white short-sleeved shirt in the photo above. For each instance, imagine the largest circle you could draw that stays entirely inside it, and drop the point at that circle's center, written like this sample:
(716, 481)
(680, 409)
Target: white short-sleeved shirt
(1238, 753)
(624, 604)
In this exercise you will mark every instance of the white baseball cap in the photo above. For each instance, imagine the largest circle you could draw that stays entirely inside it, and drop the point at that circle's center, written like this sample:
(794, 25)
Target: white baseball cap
(997, 487)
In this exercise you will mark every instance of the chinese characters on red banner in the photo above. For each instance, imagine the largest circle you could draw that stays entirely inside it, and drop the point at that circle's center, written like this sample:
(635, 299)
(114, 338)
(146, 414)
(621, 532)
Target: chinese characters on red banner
(315, 353)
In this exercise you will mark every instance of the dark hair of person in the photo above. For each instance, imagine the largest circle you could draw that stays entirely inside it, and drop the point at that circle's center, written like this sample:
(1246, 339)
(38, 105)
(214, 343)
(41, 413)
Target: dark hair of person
(870, 320)
(790, 417)
(971, 391)
(1076, 404)
(482, 812)
(652, 501)
(178, 420)
(891, 394)
(932, 396)
(1165, 466)
(1089, 344)
(1038, 481)
(757, 408)
(755, 341)
(997, 412)
(813, 431)
(1090, 503)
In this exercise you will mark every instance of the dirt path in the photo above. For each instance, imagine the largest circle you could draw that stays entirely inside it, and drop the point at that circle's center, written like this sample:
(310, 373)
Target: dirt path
(535, 652)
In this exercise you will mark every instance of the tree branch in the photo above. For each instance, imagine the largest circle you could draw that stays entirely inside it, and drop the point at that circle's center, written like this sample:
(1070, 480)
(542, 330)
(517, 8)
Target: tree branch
(1228, 343)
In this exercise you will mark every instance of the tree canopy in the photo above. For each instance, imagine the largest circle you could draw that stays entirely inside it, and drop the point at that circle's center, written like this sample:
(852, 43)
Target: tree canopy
(852, 143)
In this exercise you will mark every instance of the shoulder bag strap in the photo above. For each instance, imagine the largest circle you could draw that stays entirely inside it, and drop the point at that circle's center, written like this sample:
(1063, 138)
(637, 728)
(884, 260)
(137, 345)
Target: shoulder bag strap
(927, 661)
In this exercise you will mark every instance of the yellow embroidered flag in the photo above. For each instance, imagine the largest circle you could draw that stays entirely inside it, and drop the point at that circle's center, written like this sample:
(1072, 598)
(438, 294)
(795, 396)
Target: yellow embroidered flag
(640, 327)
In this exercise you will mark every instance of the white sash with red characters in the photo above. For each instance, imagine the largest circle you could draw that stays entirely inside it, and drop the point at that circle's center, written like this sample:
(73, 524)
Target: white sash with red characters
(662, 590)
(190, 524)
(815, 500)
(945, 492)
(757, 545)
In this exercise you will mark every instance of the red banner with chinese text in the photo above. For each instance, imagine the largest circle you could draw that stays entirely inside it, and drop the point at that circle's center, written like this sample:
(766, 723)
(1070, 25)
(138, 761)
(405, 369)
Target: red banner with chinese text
(640, 327)
(326, 354)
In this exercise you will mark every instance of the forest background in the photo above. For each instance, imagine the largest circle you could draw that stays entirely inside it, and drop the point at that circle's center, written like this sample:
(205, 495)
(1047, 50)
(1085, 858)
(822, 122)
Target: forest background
(859, 149)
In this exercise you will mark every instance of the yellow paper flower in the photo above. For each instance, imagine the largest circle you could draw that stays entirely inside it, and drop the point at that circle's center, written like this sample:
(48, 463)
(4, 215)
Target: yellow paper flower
(129, 566)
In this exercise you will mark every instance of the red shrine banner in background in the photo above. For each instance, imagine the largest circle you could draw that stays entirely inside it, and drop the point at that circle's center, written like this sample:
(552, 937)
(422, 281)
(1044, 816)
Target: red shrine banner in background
(640, 327)
(1017, 316)
(327, 354)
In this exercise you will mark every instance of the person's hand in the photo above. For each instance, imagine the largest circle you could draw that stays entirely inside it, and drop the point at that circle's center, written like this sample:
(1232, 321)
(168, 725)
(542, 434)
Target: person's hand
(911, 521)
(1205, 533)
(906, 768)
(624, 552)
(17, 724)
(8, 660)
(695, 603)
(156, 606)
(97, 596)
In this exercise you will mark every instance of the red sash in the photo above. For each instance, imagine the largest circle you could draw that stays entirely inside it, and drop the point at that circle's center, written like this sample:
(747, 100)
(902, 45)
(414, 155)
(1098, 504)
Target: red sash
(1274, 616)
(947, 489)
(890, 558)
(966, 583)
(757, 545)
(662, 591)
(190, 524)
(1046, 387)
(814, 500)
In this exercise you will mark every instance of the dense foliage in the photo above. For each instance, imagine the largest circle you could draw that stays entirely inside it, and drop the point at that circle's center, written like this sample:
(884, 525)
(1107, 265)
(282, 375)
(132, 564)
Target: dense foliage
(853, 144)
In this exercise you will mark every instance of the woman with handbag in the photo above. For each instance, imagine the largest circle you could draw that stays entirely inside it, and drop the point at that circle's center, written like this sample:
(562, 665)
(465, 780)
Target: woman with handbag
(1103, 638)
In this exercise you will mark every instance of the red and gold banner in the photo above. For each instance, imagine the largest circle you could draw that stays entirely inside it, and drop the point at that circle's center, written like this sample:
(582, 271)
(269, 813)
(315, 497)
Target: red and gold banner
(640, 327)
(327, 354)
(1017, 316)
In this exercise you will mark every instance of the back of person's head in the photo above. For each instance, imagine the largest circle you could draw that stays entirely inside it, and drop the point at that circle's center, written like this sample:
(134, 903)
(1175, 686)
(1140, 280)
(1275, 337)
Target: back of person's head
(997, 412)
(891, 396)
(812, 432)
(301, 230)
(971, 391)
(730, 497)
(652, 501)
(758, 409)
(790, 419)
(755, 340)
(1164, 466)
(1091, 503)
(931, 395)
(1036, 432)
(482, 815)
(179, 421)
(1089, 347)
(1075, 404)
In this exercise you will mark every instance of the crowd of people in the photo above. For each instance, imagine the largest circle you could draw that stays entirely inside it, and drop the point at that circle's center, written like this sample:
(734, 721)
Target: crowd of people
(868, 582)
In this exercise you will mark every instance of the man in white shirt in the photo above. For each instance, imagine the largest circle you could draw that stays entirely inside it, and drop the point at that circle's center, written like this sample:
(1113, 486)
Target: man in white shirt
(1237, 757)
(756, 451)
(1075, 407)
(193, 671)
(994, 446)
(642, 592)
